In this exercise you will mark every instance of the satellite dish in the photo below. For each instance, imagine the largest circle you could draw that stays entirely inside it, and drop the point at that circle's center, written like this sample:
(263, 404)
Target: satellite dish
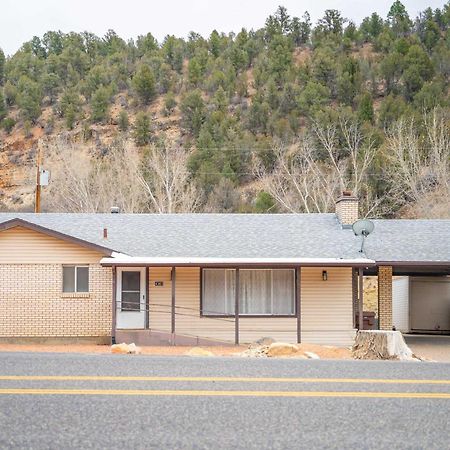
(363, 228)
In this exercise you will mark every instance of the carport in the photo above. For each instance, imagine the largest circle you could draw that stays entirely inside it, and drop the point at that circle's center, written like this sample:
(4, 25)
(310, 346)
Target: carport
(421, 301)
(413, 298)
(413, 270)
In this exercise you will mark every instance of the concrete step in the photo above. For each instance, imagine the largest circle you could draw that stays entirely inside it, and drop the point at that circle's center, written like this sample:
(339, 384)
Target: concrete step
(156, 337)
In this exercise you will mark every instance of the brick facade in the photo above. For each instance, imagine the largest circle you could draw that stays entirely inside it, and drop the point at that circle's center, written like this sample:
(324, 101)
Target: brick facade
(32, 303)
(347, 209)
(385, 297)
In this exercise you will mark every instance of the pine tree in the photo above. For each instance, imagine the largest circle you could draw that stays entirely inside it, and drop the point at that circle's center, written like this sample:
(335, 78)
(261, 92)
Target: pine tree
(144, 84)
(141, 132)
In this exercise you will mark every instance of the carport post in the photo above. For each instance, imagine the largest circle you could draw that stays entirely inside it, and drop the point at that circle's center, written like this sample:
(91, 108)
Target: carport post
(236, 309)
(361, 299)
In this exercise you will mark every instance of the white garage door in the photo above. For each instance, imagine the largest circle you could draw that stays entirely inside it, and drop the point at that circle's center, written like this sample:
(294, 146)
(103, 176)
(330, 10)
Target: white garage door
(430, 304)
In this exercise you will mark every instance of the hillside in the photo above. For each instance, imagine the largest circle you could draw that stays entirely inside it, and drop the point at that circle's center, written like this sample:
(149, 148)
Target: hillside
(277, 119)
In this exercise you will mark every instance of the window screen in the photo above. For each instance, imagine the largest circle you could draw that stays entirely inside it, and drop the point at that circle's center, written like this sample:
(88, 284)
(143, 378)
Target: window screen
(131, 291)
(261, 291)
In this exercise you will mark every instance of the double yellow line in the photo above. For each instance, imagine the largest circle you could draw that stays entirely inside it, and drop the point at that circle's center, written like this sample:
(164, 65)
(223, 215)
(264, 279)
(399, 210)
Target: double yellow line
(222, 393)
(202, 393)
(217, 379)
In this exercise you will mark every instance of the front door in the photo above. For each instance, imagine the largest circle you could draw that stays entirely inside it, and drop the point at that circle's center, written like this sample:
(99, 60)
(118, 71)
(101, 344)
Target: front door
(131, 298)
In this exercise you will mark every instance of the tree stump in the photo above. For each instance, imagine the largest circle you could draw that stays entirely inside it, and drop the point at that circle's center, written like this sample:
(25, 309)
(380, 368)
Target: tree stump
(378, 344)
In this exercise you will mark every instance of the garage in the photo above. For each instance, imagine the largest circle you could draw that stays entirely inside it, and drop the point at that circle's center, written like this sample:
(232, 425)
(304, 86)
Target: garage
(421, 304)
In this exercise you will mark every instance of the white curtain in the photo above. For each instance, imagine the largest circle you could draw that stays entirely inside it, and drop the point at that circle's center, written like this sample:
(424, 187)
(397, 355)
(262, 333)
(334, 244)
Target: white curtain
(283, 302)
(218, 291)
(255, 291)
(261, 291)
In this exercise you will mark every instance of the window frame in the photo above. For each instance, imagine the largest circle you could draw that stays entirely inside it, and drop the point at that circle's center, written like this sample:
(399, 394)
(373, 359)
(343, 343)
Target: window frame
(241, 315)
(75, 268)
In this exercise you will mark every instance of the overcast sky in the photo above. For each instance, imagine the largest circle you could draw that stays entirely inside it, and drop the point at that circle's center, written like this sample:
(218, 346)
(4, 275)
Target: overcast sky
(20, 20)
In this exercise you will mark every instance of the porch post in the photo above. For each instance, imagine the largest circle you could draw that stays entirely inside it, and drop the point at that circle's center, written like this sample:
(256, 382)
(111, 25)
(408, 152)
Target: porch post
(114, 304)
(147, 297)
(236, 309)
(173, 305)
(361, 300)
(354, 295)
(298, 298)
(385, 297)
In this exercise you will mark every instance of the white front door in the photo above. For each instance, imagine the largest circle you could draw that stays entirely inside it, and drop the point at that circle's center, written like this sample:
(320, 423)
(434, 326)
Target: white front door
(131, 298)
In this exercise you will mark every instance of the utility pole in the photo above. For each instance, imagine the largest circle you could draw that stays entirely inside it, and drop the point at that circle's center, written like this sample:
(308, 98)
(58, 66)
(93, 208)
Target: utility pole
(37, 202)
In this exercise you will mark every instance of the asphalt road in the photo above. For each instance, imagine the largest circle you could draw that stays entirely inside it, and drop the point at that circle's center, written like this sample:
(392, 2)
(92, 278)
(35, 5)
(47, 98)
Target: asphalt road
(64, 401)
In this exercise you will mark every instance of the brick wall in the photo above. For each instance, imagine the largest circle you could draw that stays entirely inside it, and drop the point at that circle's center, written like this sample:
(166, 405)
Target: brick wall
(347, 209)
(385, 297)
(32, 303)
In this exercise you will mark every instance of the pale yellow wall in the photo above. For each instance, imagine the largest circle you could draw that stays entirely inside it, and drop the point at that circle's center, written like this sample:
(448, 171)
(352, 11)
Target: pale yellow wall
(24, 246)
(32, 303)
(327, 306)
(326, 309)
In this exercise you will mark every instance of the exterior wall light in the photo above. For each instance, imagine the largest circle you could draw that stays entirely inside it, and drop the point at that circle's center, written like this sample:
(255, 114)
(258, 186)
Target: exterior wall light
(324, 275)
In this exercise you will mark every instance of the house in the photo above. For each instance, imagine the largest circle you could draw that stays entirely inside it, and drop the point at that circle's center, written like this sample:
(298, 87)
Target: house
(207, 278)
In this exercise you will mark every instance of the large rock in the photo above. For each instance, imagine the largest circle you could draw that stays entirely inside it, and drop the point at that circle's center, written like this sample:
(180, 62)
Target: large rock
(198, 351)
(281, 349)
(123, 348)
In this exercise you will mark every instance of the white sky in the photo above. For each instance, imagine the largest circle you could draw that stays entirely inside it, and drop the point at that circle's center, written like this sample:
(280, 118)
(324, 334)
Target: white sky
(20, 20)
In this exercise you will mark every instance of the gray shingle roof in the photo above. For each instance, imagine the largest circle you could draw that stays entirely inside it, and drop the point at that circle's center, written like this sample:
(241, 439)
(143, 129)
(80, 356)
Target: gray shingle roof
(409, 240)
(250, 235)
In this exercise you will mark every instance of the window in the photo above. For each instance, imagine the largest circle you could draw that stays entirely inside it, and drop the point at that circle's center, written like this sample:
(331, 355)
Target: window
(75, 278)
(268, 292)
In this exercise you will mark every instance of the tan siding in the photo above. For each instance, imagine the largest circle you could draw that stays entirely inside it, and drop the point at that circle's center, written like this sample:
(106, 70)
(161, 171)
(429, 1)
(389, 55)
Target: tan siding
(326, 309)
(25, 246)
(160, 299)
(327, 306)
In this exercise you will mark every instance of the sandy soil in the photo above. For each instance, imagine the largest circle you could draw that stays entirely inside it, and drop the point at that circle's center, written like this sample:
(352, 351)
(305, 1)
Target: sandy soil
(324, 352)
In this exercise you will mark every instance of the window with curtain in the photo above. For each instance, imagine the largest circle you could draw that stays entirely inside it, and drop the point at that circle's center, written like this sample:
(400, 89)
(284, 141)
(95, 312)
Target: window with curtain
(268, 292)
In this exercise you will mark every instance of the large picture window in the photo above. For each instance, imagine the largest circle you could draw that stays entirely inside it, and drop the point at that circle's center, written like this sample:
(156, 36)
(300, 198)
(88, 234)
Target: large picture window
(269, 292)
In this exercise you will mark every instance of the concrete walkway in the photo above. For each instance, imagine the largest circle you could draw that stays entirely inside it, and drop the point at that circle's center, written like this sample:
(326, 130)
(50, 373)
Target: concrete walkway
(436, 348)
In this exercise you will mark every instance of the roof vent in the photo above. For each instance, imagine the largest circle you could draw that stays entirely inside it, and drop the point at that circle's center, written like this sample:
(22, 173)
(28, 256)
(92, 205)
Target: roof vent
(115, 210)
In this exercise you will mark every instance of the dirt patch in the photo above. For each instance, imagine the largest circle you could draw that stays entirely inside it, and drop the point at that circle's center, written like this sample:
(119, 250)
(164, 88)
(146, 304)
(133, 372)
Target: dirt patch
(106, 349)
(300, 351)
(324, 352)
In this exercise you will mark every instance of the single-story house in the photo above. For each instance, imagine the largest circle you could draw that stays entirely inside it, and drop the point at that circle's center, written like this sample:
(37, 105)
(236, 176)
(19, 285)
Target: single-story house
(207, 278)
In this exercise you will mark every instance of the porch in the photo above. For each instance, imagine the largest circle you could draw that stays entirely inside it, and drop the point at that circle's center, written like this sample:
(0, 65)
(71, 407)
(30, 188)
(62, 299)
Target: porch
(168, 304)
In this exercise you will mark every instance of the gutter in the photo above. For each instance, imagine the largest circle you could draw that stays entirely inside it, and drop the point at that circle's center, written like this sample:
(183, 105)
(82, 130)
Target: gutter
(131, 261)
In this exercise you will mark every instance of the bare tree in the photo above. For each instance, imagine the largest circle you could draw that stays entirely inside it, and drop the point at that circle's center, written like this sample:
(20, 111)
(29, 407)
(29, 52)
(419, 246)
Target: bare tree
(90, 183)
(419, 169)
(304, 181)
(165, 178)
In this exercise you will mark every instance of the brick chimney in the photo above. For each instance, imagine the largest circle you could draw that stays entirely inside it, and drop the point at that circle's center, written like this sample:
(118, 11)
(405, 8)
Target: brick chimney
(347, 208)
